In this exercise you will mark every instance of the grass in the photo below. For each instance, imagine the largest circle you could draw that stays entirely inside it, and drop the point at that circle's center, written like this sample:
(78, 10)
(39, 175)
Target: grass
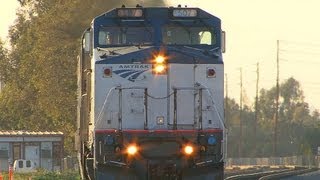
(44, 175)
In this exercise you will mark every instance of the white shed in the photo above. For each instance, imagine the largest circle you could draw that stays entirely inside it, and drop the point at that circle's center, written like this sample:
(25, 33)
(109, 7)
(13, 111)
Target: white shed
(45, 149)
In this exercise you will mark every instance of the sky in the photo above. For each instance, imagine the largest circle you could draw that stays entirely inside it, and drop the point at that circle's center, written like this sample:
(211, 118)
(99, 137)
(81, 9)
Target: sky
(7, 16)
(253, 28)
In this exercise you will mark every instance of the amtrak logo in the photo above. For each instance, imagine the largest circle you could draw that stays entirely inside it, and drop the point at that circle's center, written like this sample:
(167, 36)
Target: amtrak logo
(133, 73)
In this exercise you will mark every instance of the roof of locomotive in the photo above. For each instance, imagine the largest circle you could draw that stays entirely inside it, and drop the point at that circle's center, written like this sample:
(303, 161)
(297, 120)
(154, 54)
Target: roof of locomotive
(159, 12)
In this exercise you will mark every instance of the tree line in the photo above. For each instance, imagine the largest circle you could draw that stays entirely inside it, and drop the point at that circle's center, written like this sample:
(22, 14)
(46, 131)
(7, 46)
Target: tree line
(298, 127)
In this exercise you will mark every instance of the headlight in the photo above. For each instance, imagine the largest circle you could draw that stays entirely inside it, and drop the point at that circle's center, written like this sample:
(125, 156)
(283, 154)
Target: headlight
(160, 59)
(159, 68)
(159, 64)
(188, 150)
(132, 150)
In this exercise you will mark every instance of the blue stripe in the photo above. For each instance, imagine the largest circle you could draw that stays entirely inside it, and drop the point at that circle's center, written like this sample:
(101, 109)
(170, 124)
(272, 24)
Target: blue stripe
(135, 75)
(121, 71)
(124, 75)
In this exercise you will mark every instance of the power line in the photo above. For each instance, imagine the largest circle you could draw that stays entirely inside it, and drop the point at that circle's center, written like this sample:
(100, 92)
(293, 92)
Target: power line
(300, 43)
(298, 61)
(300, 51)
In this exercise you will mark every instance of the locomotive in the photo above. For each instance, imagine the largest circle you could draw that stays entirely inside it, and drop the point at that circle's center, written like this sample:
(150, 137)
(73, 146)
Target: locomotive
(150, 95)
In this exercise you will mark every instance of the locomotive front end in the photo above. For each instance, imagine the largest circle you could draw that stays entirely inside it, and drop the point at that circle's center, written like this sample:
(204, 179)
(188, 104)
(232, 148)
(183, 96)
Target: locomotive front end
(155, 98)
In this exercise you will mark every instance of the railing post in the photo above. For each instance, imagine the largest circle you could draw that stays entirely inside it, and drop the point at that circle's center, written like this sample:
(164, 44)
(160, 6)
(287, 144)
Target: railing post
(120, 109)
(146, 108)
(175, 109)
(200, 109)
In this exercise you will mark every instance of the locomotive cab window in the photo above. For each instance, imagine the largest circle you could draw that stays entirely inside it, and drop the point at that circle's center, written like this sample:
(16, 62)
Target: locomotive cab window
(125, 36)
(205, 37)
(183, 35)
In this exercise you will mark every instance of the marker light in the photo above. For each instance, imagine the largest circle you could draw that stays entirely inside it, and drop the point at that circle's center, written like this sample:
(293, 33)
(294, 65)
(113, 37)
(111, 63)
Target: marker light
(159, 59)
(211, 73)
(188, 150)
(132, 150)
(107, 72)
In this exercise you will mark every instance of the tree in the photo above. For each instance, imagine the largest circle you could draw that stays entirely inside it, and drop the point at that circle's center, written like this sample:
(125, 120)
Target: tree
(298, 129)
(4, 63)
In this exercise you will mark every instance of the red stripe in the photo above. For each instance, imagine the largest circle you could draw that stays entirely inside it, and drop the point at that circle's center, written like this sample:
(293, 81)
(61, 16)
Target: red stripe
(105, 131)
(108, 131)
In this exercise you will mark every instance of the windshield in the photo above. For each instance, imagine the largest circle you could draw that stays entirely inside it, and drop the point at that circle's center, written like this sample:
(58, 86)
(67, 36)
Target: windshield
(186, 35)
(125, 35)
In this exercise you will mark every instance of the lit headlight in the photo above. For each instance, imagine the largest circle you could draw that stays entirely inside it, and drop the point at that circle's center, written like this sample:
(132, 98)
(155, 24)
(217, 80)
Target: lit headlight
(132, 150)
(160, 59)
(159, 68)
(212, 140)
(159, 64)
(188, 150)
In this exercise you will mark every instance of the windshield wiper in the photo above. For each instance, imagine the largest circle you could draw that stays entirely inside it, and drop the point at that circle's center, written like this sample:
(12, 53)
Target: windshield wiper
(214, 49)
(111, 52)
(205, 52)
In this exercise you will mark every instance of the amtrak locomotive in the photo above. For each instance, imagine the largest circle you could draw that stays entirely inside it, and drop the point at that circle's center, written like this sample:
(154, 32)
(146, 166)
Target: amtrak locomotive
(150, 97)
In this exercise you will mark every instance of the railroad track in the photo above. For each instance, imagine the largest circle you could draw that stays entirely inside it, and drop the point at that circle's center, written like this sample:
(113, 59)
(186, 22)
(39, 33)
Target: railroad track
(271, 174)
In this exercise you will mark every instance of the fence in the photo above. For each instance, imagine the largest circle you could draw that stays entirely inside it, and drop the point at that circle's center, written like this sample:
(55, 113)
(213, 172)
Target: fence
(69, 163)
(275, 161)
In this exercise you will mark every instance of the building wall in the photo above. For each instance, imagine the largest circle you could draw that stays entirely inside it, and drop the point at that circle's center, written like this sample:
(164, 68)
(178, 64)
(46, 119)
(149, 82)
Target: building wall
(4, 156)
(46, 152)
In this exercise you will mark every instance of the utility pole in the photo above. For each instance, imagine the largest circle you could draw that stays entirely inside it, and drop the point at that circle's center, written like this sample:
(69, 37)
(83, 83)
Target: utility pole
(276, 115)
(240, 116)
(256, 112)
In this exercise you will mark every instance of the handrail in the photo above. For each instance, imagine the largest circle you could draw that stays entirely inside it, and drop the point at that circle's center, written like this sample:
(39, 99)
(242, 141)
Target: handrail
(104, 104)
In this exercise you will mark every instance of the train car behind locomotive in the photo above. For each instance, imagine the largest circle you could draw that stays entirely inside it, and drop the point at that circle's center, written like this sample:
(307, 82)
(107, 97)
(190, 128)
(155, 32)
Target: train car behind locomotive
(150, 97)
